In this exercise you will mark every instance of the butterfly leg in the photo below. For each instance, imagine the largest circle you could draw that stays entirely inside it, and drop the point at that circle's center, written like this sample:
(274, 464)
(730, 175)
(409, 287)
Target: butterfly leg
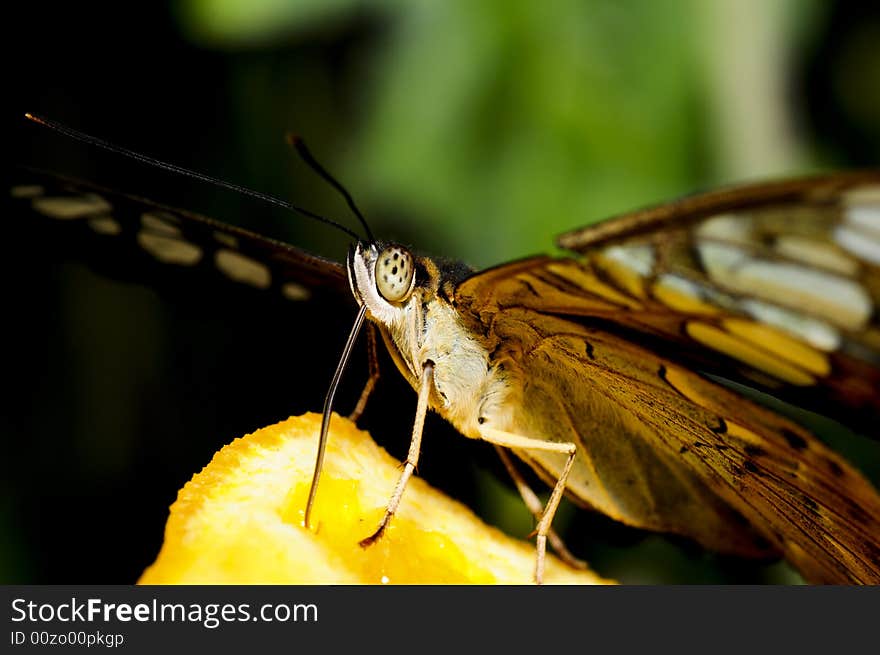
(373, 357)
(510, 440)
(530, 498)
(412, 457)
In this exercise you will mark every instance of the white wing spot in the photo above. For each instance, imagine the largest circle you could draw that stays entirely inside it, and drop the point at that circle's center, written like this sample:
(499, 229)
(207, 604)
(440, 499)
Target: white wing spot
(864, 217)
(638, 258)
(294, 291)
(860, 231)
(726, 227)
(161, 223)
(169, 249)
(689, 296)
(243, 269)
(682, 285)
(865, 195)
(816, 253)
(65, 209)
(105, 225)
(839, 300)
(859, 243)
(27, 191)
(226, 239)
(719, 258)
(818, 334)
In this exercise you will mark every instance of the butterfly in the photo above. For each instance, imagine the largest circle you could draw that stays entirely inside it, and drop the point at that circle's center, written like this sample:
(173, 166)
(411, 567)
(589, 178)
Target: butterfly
(613, 372)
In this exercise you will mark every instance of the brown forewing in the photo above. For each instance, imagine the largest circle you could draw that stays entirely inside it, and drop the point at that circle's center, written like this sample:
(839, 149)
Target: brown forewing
(758, 284)
(618, 330)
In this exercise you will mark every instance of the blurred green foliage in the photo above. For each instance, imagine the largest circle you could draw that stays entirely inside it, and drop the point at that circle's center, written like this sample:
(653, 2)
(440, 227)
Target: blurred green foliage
(493, 126)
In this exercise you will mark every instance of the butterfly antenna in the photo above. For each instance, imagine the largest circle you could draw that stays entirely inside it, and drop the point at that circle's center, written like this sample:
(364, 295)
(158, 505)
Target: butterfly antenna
(131, 154)
(304, 153)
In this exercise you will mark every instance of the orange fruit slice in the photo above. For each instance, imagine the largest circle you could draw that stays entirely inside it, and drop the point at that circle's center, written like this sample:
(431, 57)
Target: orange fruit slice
(240, 521)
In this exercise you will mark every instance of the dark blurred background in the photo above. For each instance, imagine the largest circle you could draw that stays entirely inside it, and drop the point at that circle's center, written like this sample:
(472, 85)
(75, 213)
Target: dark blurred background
(476, 130)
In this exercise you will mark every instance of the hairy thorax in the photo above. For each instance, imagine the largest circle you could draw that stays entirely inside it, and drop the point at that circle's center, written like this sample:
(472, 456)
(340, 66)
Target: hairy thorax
(468, 387)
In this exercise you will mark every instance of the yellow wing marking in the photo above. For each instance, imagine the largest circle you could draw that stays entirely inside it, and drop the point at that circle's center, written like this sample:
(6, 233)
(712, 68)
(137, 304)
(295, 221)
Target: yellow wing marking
(752, 355)
(624, 276)
(574, 273)
(556, 298)
(678, 294)
(793, 350)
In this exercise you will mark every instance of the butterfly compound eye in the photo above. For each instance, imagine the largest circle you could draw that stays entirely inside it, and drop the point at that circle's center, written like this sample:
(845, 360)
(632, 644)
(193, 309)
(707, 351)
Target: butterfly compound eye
(394, 273)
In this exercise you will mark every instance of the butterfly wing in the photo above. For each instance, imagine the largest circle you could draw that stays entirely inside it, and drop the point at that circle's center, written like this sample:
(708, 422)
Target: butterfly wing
(777, 283)
(774, 286)
(164, 239)
(612, 344)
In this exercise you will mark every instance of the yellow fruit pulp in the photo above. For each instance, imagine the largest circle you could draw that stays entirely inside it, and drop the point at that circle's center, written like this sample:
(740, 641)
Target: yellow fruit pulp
(240, 521)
